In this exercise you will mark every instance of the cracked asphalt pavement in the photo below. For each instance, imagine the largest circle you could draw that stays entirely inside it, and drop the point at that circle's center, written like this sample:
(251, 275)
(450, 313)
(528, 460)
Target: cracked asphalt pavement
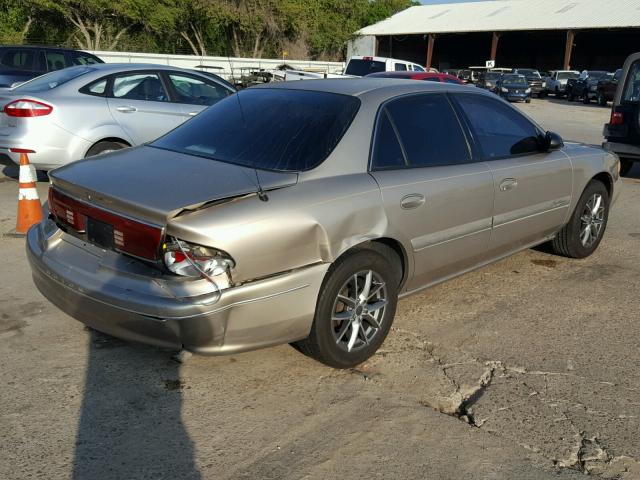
(525, 369)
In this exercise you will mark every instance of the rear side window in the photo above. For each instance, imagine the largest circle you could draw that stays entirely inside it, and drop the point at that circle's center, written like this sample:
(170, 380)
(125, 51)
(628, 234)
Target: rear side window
(363, 67)
(140, 86)
(98, 88)
(400, 67)
(387, 153)
(80, 58)
(18, 59)
(54, 60)
(632, 86)
(500, 130)
(429, 132)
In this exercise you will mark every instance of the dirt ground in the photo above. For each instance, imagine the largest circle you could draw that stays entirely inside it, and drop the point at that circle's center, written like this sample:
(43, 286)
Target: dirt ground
(525, 369)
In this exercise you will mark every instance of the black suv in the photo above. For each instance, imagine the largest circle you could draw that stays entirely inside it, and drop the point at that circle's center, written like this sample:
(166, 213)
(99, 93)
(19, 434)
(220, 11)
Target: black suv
(534, 79)
(21, 63)
(585, 87)
(622, 133)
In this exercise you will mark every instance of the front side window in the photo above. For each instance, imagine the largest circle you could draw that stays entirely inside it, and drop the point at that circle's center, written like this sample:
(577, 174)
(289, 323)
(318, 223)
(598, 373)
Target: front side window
(18, 59)
(195, 91)
(499, 129)
(267, 128)
(418, 68)
(428, 130)
(140, 86)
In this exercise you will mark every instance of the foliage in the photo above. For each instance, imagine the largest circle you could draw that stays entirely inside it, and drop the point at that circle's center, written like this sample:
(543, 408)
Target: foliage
(315, 29)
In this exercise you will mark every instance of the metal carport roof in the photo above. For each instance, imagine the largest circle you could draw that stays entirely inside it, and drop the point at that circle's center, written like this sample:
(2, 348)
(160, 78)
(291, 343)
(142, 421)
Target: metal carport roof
(510, 15)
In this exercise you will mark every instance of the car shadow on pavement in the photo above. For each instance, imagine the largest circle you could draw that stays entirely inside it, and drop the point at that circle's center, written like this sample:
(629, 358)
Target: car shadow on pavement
(130, 421)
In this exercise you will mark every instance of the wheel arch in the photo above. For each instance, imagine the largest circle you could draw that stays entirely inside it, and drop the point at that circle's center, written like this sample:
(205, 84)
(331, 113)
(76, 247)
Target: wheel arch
(378, 244)
(604, 178)
(108, 139)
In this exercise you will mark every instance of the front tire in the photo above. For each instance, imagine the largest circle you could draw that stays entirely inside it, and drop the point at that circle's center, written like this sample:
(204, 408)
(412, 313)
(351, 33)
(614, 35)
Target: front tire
(355, 309)
(581, 236)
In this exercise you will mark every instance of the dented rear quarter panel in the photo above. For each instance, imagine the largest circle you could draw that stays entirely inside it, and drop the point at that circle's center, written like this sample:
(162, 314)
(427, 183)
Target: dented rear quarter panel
(312, 222)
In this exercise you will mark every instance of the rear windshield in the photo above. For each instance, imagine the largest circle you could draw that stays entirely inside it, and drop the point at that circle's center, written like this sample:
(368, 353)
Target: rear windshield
(529, 73)
(52, 80)
(597, 75)
(567, 75)
(360, 68)
(268, 129)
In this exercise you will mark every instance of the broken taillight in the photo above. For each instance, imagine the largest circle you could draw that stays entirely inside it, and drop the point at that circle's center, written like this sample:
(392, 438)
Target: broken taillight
(190, 260)
(116, 232)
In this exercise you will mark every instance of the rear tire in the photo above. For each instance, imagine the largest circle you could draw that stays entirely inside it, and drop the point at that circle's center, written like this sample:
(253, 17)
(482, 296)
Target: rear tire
(625, 166)
(342, 308)
(581, 236)
(101, 148)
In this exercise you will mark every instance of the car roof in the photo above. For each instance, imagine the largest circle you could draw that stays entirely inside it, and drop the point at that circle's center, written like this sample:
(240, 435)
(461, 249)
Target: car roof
(404, 74)
(360, 86)
(126, 67)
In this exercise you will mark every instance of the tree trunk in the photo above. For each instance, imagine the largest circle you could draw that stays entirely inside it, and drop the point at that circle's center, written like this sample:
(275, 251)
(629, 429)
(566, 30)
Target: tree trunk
(256, 45)
(185, 35)
(25, 29)
(236, 43)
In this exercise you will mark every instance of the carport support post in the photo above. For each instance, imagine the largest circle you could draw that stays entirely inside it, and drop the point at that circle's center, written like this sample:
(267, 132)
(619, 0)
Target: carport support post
(431, 41)
(568, 48)
(494, 46)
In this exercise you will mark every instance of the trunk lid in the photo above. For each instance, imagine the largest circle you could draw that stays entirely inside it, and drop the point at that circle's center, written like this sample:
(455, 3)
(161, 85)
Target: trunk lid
(154, 185)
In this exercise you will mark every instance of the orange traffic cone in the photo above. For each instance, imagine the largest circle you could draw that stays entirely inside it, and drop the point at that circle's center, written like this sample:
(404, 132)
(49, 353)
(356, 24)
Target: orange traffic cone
(29, 208)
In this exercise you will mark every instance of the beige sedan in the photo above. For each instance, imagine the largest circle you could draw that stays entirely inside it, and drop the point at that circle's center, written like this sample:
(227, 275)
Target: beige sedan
(300, 213)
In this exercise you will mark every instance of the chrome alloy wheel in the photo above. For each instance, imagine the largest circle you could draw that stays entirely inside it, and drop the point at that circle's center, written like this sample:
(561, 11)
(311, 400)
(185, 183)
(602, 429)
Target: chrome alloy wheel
(591, 220)
(358, 310)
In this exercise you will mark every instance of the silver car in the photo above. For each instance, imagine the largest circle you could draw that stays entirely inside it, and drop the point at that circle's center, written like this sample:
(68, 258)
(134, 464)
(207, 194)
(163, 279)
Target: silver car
(300, 212)
(87, 110)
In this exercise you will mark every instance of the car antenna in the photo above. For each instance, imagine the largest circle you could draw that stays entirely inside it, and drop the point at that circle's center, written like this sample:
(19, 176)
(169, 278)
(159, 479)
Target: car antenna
(262, 195)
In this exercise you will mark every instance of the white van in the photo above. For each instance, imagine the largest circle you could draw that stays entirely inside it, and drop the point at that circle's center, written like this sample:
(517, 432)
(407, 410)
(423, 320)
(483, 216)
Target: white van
(359, 66)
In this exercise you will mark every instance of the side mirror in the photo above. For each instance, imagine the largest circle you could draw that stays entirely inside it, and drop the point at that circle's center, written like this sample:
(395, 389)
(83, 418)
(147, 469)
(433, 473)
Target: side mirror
(553, 141)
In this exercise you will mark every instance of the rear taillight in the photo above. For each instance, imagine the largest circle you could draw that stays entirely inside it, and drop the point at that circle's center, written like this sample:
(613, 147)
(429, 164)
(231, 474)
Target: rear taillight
(617, 118)
(367, 59)
(121, 234)
(27, 108)
(190, 260)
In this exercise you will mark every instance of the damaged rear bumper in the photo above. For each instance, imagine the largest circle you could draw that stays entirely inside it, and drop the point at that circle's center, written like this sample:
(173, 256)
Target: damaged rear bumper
(128, 299)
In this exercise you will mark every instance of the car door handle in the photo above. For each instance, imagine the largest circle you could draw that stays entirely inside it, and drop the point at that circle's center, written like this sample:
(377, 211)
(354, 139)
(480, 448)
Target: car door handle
(126, 109)
(411, 201)
(508, 184)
